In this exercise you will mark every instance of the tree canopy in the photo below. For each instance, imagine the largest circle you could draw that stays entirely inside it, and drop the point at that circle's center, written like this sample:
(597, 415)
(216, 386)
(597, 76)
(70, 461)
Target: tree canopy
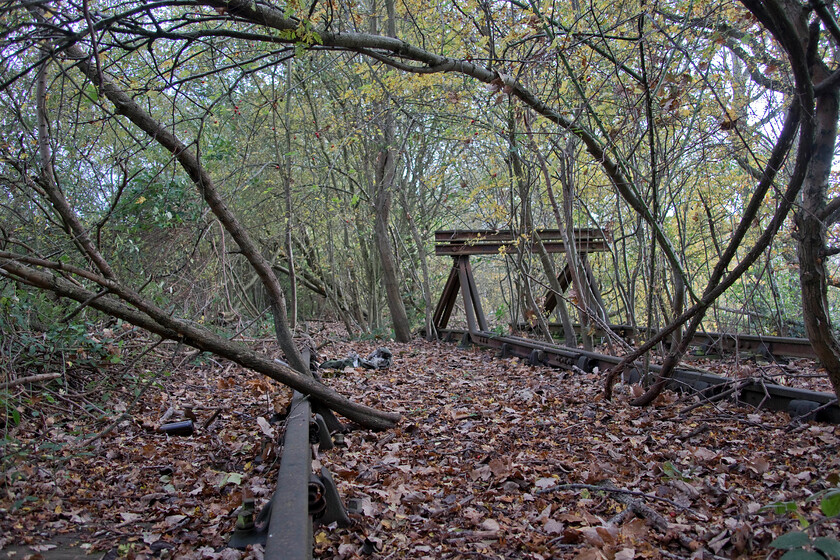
(169, 163)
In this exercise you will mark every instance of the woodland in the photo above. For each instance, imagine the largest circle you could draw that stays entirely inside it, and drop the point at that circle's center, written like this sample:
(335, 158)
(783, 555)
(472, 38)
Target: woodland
(199, 194)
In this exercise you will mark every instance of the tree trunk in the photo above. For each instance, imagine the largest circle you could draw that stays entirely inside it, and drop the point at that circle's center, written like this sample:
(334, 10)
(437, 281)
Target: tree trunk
(383, 189)
(431, 333)
(384, 179)
(811, 235)
(526, 227)
(583, 299)
(569, 336)
(287, 179)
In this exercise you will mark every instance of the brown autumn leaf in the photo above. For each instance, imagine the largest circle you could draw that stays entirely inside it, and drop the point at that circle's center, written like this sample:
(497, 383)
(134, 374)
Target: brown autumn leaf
(501, 467)
(553, 527)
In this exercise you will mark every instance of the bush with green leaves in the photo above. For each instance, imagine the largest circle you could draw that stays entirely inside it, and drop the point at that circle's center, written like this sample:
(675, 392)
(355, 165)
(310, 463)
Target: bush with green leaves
(37, 340)
(805, 544)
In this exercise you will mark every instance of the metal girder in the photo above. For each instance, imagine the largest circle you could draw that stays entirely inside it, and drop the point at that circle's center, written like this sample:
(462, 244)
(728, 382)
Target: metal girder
(505, 235)
(492, 242)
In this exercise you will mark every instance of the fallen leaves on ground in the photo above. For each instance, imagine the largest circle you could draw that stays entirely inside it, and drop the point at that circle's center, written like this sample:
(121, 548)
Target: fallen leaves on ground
(493, 459)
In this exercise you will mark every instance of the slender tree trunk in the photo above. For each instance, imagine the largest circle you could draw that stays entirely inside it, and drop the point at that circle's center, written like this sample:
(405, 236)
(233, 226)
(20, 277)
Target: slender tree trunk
(293, 303)
(572, 258)
(431, 333)
(800, 116)
(385, 168)
(383, 193)
(527, 230)
(568, 330)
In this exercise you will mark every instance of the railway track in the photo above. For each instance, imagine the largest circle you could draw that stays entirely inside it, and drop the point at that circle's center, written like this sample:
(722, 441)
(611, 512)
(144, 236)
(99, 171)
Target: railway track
(771, 396)
(301, 497)
(285, 524)
(710, 343)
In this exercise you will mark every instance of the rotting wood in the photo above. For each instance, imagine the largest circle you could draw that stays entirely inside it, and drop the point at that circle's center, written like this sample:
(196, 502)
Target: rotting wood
(460, 244)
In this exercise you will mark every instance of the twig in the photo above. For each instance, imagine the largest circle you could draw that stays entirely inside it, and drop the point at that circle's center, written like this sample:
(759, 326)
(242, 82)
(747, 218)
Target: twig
(73, 404)
(737, 386)
(656, 519)
(695, 432)
(613, 490)
(211, 419)
(84, 304)
(137, 398)
(30, 379)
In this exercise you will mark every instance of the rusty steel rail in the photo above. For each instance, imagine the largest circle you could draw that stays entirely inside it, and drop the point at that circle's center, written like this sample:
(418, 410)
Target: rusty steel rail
(301, 497)
(712, 342)
(798, 402)
(290, 524)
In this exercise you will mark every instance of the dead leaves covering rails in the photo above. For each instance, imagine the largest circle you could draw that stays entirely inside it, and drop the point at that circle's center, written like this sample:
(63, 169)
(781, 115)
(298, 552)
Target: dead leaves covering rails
(463, 476)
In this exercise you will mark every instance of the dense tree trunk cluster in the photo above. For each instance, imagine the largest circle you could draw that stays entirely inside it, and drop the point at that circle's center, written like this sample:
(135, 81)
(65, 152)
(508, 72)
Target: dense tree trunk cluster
(688, 137)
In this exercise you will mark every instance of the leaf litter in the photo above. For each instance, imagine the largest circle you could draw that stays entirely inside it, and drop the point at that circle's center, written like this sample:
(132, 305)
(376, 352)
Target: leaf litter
(493, 459)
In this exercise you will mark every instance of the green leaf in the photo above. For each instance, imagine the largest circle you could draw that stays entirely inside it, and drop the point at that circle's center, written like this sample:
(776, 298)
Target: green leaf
(780, 508)
(20, 503)
(234, 478)
(803, 522)
(794, 539)
(672, 472)
(92, 93)
(829, 547)
(801, 554)
(830, 504)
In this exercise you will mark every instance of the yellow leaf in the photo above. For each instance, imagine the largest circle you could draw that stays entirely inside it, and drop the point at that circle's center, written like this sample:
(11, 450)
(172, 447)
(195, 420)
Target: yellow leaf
(140, 200)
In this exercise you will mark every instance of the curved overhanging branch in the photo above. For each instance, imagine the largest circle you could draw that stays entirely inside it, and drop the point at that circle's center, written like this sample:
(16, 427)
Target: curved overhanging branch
(801, 115)
(138, 311)
(127, 107)
(395, 52)
(141, 311)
